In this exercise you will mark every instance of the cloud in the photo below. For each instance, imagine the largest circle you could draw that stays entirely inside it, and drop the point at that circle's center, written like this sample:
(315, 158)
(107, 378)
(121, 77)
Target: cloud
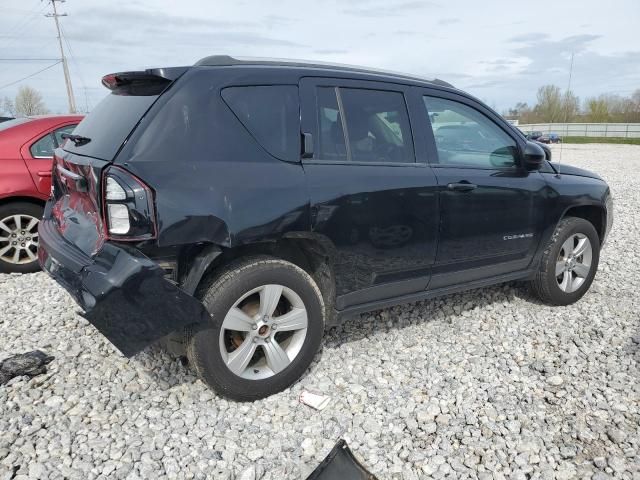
(528, 37)
(330, 51)
(385, 10)
(448, 21)
(503, 59)
(499, 61)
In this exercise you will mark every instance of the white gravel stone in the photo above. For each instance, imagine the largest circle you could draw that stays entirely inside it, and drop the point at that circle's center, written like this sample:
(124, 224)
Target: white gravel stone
(461, 386)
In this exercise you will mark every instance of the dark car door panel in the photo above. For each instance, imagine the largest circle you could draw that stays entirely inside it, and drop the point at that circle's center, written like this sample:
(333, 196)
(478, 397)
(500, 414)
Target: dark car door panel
(379, 209)
(491, 209)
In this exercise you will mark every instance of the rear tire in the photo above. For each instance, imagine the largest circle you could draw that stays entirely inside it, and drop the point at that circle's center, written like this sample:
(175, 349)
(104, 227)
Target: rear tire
(19, 233)
(569, 263)
(275, 336)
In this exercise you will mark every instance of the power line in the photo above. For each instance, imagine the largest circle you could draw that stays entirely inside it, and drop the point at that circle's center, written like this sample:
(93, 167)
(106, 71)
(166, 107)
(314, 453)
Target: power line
(21, 24)
(27, 59)
(29, 76)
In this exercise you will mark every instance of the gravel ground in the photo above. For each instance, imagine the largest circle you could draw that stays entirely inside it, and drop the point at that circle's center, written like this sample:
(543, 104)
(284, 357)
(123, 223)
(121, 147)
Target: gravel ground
(485, 384)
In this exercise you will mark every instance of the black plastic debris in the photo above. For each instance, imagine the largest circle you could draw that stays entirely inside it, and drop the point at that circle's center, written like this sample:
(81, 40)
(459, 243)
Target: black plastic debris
(29, 364)
(341, 464)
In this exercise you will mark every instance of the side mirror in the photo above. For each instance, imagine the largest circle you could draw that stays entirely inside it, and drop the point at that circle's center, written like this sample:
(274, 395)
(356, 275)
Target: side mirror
(533, 156)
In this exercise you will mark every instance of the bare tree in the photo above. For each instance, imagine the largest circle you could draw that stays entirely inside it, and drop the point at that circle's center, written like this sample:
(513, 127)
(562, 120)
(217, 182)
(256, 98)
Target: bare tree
(554, 106)
(549, 106)
(597, 109)
(7, 107)
(29, 102)
(570, 106)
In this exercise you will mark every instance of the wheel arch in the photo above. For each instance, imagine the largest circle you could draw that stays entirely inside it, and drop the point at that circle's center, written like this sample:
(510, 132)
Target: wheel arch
(593, 213)
(22, 199)
(313, 253)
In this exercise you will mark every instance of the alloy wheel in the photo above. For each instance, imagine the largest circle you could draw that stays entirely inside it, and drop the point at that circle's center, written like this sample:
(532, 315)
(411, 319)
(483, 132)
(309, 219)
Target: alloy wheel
(19, 239)
(263, 332)
(574, 262)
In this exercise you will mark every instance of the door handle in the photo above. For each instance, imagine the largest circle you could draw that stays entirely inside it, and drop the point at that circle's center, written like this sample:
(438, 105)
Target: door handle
(44, 173)
(462, 186)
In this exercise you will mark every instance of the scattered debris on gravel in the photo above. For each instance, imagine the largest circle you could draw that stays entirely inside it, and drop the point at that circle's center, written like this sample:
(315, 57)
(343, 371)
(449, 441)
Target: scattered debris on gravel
(29, 364)
(486, 384)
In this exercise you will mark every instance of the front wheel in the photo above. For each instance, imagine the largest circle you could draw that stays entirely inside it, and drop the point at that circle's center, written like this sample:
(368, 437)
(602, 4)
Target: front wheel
(267, 321)
(569, 263)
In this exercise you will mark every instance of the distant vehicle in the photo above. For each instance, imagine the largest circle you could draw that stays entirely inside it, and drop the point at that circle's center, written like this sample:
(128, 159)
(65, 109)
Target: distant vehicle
(534, 135)
(26, 152)
(554, 138)
(547, 150)
(543, 139)
(4, 119)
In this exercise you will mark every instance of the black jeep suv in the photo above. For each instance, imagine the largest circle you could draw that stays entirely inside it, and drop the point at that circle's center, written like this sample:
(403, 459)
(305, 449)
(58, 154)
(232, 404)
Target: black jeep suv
(237, 208)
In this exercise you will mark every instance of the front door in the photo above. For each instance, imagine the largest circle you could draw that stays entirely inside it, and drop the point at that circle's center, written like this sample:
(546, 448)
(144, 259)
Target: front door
(369, 194)
(491, 207)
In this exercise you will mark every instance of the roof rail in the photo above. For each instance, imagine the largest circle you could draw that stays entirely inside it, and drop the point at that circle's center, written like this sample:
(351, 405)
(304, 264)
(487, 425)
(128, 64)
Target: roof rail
(227, 60)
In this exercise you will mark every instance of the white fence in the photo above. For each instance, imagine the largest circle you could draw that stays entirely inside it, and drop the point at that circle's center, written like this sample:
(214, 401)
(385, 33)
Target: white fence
(627, 130)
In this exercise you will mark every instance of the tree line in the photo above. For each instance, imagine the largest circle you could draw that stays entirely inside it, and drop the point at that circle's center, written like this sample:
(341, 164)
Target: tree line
(554, 106)
(28, 101)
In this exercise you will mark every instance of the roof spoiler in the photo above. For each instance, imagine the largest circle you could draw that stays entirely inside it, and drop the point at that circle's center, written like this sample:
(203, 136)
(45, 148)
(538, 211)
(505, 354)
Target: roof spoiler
(148, 82)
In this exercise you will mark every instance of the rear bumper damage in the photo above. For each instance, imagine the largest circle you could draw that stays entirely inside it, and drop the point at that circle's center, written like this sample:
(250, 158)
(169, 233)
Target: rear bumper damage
(123, 293)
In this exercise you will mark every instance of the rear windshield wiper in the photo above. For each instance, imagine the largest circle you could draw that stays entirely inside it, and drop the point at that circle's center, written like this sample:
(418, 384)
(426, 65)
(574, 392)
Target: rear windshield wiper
(78, 140)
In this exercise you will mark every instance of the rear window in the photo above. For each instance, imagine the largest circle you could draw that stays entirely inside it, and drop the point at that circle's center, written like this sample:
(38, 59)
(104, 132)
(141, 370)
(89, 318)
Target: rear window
(12, 123)
(271, 115)
(109, 124)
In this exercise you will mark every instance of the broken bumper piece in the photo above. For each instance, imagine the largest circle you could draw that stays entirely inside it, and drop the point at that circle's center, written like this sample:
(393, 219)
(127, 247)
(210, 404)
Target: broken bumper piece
(123, 293)
(341, 464)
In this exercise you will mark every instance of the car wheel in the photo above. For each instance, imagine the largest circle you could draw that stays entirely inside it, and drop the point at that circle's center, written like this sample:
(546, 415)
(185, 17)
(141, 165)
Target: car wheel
(569, 263)
(267, 322)
(19, 237)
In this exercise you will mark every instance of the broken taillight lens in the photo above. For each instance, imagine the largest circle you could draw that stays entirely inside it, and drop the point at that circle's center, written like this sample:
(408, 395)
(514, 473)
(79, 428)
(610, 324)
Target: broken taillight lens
(128, 206)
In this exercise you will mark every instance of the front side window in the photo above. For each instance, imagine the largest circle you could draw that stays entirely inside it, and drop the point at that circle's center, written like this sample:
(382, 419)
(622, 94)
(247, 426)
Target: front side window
(466, 137)
(375, 124)
(271, 114)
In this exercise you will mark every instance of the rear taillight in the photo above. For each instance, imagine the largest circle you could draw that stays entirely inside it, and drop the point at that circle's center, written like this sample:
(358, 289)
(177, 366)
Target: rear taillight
(128, 206)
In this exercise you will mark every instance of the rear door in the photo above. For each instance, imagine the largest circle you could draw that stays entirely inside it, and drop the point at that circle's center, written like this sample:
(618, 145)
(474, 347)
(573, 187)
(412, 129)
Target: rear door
(491, 207)
(369, 193)
(38, 154)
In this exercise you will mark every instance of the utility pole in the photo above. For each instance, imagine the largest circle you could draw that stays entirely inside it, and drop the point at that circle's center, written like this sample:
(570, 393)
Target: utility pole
(63, 59)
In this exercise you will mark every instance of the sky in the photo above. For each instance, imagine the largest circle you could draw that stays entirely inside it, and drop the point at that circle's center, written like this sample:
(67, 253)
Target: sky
(499, 51)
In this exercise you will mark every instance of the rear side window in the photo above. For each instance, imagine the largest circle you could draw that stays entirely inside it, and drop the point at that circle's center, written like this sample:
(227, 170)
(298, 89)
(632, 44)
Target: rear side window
(109, 124)
(331, 143)
(271, 115)
(61, 131)
(44, 147)
(377, 126)
(374, 122)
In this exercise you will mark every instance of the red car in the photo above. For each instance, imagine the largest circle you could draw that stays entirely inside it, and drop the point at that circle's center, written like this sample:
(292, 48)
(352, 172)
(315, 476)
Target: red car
(26, 153)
